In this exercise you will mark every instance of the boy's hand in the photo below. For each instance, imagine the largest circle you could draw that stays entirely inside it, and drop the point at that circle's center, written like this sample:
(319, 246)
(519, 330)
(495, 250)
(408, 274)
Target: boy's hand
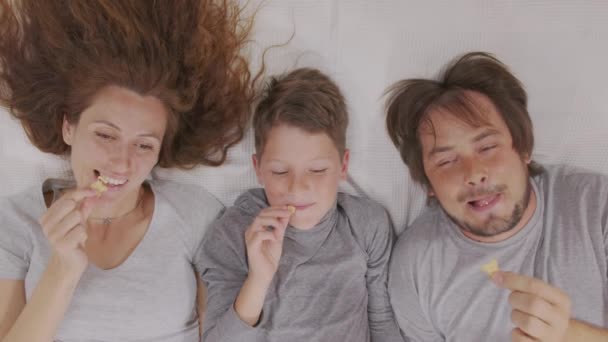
(541, 312)
(264, 240)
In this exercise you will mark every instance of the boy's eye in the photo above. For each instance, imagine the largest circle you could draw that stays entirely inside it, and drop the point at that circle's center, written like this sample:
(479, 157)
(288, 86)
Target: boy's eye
(279, 173)
(104, 136)
(318, 170)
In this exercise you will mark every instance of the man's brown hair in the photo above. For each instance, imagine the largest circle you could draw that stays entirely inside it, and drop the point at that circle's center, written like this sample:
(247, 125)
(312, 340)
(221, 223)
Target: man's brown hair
(304, 98)
(410, 101)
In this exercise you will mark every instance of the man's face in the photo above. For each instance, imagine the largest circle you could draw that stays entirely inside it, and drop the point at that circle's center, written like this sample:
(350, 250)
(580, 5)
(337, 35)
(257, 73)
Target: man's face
(477, 176)
(301, 169)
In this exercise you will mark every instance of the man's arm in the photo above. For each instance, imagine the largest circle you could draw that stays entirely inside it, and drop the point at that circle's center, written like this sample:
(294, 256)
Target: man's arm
(581, 331)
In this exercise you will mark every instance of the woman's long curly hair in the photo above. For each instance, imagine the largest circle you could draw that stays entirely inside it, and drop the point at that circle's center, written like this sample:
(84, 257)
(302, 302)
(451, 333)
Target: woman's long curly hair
(56, 55)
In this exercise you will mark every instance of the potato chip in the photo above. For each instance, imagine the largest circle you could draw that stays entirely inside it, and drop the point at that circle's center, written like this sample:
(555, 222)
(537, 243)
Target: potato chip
(99, 186)
(491, 267)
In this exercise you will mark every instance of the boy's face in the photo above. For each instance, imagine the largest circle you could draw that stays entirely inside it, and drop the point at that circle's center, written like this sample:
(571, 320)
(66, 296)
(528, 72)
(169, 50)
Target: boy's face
(303, 170)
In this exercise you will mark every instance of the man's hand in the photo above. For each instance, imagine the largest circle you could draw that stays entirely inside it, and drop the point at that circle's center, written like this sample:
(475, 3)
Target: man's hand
(540, 312)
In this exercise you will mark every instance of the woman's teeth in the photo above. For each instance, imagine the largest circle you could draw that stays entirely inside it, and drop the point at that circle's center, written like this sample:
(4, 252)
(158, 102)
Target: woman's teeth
(112, 181)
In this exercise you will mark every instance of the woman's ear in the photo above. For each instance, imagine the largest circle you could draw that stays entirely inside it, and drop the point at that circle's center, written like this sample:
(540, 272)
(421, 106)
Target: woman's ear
(67, 130)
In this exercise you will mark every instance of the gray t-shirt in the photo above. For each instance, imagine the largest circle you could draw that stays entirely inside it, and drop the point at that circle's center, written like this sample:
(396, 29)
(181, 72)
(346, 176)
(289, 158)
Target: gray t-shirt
(149, 297)
(331, 284)
(439, 292)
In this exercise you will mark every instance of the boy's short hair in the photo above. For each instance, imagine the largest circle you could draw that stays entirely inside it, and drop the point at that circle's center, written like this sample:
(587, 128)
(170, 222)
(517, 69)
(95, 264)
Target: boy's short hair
(304, 98)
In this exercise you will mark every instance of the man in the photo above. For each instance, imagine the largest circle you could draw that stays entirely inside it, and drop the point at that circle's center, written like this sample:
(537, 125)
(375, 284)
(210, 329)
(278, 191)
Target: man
(468, 139)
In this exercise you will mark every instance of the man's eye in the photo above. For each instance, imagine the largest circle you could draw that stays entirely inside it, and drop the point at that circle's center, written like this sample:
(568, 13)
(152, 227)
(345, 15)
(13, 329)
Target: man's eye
(488, 148)
(445, 162)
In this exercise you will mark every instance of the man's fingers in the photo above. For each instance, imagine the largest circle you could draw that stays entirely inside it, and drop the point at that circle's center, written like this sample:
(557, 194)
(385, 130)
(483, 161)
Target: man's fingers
(533, 305)
(521, 283)
(517, 335)
(530, 325)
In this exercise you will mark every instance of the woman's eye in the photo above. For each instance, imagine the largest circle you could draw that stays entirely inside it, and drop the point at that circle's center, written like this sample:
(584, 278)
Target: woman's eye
(104, 136)
(145, 147)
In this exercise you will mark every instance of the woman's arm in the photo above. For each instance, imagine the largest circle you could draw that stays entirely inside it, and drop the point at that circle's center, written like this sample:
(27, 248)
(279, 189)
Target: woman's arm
(36, 321)
(12, 301)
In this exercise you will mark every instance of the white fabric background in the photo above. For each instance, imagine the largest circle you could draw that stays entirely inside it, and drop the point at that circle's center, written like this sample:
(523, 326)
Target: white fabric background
(558, 48)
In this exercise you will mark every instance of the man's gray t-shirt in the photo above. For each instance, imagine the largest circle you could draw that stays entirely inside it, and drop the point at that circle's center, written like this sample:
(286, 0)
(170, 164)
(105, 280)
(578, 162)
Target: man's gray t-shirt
(439, 292)
(331, 284)
(149, 297)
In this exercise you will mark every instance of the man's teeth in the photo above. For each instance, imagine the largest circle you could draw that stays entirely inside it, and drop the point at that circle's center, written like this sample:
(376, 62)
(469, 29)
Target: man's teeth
(481, 203)
(112, 181)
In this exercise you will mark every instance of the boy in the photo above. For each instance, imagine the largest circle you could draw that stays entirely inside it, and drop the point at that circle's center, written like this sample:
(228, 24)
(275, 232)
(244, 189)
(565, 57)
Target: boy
(296, 260)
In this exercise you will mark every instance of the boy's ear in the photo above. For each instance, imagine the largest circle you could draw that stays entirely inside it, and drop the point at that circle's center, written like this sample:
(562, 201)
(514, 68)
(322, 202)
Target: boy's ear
(256, 167)
(345, 160)
(67, 131)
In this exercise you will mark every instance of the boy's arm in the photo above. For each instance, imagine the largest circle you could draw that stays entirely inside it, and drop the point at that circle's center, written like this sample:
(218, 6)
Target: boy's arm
(222, 264)
(381, 319)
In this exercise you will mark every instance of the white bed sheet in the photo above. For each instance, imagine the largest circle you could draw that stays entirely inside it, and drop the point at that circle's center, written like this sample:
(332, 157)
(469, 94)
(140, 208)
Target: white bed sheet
(556, 47)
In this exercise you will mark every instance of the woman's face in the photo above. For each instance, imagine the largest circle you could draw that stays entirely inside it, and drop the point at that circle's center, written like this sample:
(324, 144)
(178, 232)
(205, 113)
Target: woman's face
(119, 137)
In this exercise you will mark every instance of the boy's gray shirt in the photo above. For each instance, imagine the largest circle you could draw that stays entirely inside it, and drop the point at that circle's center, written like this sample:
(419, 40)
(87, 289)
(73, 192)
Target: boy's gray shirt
(151, 296)
(331, 284)
(439, 292)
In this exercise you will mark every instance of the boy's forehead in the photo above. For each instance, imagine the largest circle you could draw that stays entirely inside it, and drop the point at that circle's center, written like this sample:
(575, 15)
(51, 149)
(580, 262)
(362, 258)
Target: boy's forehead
(289, 140)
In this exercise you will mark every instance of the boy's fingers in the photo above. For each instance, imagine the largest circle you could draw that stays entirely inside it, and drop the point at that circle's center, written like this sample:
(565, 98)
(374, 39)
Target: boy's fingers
(258, 237)
(275, 212)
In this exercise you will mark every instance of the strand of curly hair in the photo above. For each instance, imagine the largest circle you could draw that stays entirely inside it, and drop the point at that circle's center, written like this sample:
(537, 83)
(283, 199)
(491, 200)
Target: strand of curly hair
(56, 55)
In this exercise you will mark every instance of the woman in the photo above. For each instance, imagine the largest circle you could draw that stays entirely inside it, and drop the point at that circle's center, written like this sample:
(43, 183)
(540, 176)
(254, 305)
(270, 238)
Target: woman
(119, 87)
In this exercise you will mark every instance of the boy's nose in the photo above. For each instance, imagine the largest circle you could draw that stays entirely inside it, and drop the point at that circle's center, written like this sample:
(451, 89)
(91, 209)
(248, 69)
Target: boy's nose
(298, 184)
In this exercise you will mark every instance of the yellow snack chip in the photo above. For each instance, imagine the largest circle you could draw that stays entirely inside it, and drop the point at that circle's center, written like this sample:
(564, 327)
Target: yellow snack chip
(490, 267)
(291, 209)
(99, 186)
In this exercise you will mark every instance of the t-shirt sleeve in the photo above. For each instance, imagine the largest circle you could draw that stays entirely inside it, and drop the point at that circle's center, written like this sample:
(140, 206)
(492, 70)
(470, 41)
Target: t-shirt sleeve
(381, 320)
(405, 297)
(15, 242)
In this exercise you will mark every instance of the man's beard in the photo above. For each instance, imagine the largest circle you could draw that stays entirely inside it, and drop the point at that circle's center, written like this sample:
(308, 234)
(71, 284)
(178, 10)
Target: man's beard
(496, 225)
